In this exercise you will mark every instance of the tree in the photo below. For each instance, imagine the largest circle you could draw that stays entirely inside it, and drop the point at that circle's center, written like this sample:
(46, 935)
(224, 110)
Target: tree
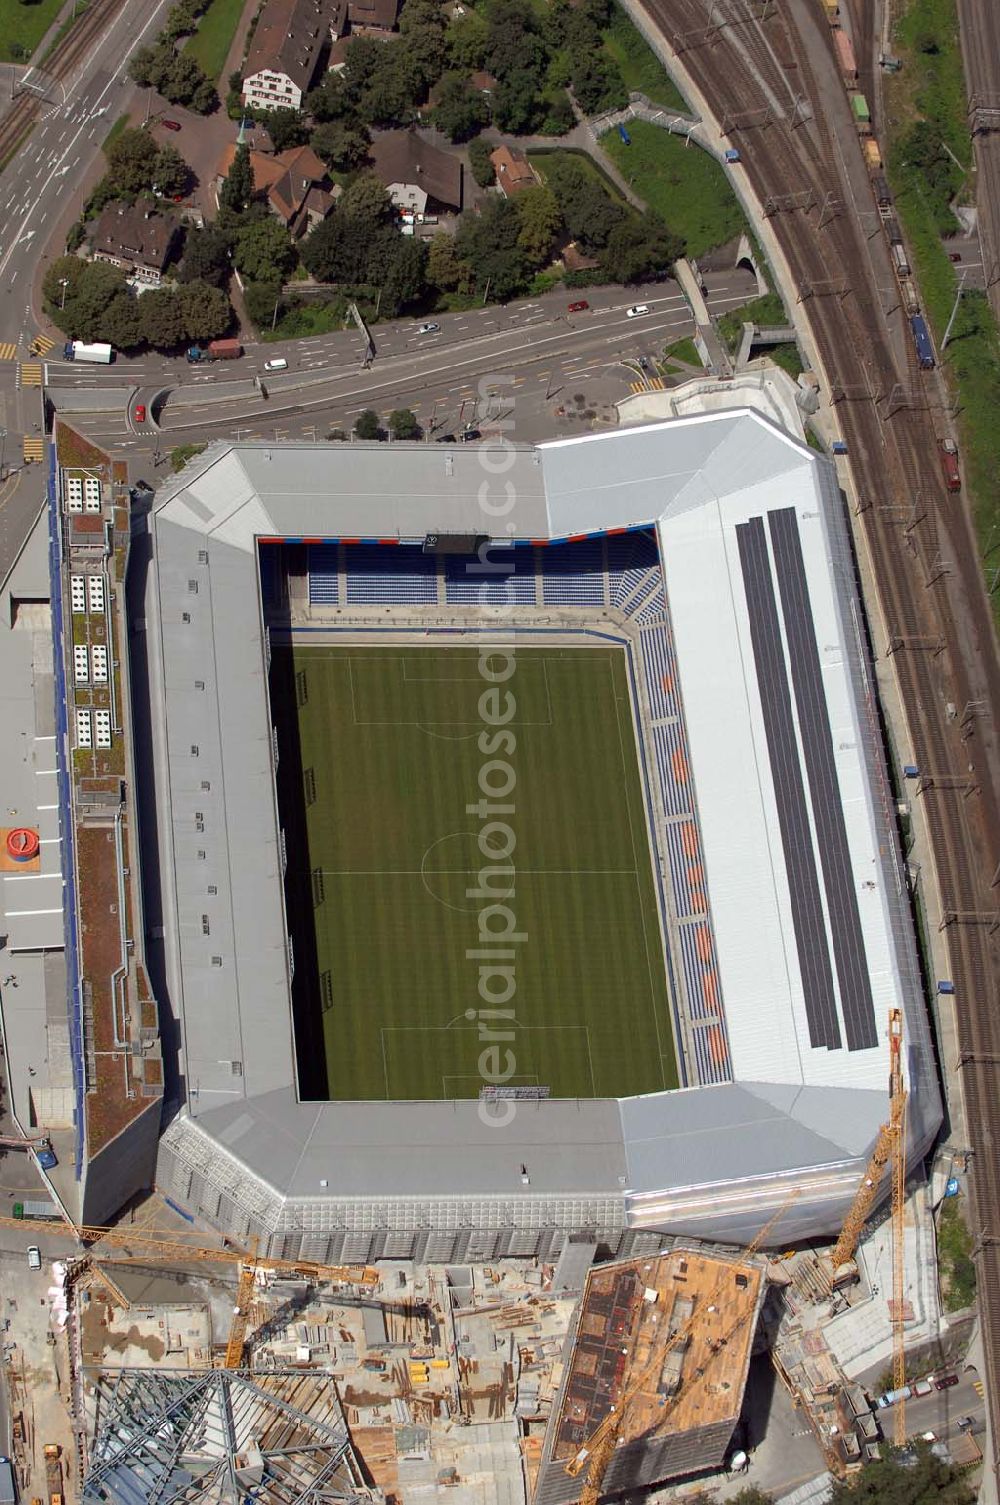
(264, 251)
(461, 111)
(330, 101)
(517, 102)
(597, 83)
(405, 278)
(132, 161)
(445, 269)
(926, 1480)
(206, 257)
(98, 285)
(161, 315)
(342, 144)
(482, 168)
(65, 268)
(752, 1494)
(640, 247)
(512, 40)
(367, 425)
(559, 117)
(176, 75)
(467, 39)
(238, 188)
(488, 242)
(541, 221)
(262, 300)
(170, 172)
(121, 323)
(367, 200)
(422, 28)
(403, 424)
(206, 310)
(287, 129)
(588, 210)
(392, 92)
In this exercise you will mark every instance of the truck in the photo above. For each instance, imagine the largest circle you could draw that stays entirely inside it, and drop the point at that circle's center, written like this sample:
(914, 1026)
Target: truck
(78, 350)
(922, 342)
(862, 114)
(36, 1209)
(892, 1397)
(53, 1472)
(948, 451)
(8, 1490)
(845, 55)
(215, 350)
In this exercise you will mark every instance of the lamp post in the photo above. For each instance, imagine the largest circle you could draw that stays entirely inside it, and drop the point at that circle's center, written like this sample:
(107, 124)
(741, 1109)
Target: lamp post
(64, 284)
(3, 454)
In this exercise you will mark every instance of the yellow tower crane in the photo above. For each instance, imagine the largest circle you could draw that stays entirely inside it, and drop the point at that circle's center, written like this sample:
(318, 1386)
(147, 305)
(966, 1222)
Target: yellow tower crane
(890, 1145)
(596, 1453)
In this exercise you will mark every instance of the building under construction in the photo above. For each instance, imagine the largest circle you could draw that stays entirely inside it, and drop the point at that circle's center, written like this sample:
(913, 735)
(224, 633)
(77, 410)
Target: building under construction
(684, 1323)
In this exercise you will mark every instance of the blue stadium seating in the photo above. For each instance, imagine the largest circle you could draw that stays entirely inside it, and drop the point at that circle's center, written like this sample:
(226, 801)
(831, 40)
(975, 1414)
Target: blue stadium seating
(465, 580)
(386, 576)
(324, 582)
(573, 573)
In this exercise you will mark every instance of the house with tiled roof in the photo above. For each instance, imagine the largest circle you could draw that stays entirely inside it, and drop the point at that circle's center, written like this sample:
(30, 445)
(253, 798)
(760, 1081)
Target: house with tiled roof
(416, 173)
(138, 238)
(514, 171)
(295, 185)
(288, 42)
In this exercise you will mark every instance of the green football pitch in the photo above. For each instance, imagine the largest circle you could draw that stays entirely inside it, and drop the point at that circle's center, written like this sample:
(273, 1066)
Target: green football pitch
(380, 757)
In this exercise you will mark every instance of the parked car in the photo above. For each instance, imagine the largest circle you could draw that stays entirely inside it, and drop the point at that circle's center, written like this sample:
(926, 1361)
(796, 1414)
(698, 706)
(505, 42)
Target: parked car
(945, 1381)
(470, 434)
(34, 1257)
(579, 307)
(428, 328)
(623, 133)
(278, 364)
(46, 1157)
(446, 439)
(954, 255)
(140, 412)
(172, 125)
(636, 310)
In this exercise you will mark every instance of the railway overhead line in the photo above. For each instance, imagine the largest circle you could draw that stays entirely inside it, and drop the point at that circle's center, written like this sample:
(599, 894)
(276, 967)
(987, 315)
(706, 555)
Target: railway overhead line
(753, 67)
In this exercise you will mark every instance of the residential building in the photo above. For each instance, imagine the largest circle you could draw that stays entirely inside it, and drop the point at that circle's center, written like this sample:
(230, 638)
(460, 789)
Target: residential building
(294, 183)
(418, 176)
(286, 49)
(137, 237)
(372, 16)
(514, 171)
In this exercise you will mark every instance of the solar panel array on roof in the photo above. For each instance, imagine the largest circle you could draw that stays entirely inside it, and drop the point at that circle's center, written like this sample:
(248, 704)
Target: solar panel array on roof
(789, 793)
(828, 811)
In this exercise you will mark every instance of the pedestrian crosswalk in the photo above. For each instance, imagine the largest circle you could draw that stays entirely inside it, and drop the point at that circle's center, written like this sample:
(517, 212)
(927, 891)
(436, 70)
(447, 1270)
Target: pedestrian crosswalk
(651, 384)
(29, 374)
(34, 448)
(977, 1386)
(41, 344)
(8, 351)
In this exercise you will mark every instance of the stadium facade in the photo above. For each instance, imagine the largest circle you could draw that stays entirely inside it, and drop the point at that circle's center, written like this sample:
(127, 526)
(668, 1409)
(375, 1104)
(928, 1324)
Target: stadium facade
(786, 911)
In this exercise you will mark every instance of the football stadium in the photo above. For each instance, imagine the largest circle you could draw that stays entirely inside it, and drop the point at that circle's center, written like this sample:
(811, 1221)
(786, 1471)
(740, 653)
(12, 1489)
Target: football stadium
(519, 855)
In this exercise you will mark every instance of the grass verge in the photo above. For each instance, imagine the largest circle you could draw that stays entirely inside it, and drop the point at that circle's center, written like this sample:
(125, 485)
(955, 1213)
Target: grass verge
(686, 186)
(684, 350)
(183, 453)
(929, 96)
(77, 14)
(640, 68)
(541, 157)
(23, 26)
(956, 1270)
(210, 44)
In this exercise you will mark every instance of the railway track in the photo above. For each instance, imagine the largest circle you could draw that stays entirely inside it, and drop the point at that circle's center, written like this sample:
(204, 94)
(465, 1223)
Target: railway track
(18, 120)
(979, 30)
(750, 64)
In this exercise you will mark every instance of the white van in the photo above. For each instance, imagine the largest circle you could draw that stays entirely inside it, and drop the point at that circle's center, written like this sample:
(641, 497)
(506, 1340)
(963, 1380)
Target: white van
(278, 364)
(34, 1257)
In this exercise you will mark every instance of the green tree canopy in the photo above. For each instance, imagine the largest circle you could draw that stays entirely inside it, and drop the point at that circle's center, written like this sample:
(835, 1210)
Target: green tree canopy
(161, 315)
(287, 129)
(467, 39)
(206, 257)
(445, 269)
(65, 268)
(263, 251)
(924, 1480)
(460, 111)
(541, 221)
(518, 103)
(403, 424)
(367, 425)
(260, 299)
(483, 170)
(83, 317)
(237, 189)
(331, 100)
(640, 247)
(121, 324)
(588, 209)
(422, 28)
(206, 310)
(489, 243)
(342, 144)
(131, 161)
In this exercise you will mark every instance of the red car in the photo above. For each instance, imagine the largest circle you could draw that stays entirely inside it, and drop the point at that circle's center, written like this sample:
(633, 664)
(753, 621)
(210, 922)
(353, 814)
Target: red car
(580, 307)
(140, 412)
(954, 255)
(172, 125)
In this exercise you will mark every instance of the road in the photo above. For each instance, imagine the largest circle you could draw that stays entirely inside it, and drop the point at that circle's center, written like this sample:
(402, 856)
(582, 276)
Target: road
(930, 594)
(535, 354)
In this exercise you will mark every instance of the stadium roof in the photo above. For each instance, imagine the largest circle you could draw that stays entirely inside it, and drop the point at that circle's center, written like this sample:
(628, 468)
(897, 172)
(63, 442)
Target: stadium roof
(806, 895)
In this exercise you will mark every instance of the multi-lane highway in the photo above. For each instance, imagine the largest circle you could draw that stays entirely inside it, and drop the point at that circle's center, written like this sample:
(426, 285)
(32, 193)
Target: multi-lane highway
(937, 624)
(537, 353)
